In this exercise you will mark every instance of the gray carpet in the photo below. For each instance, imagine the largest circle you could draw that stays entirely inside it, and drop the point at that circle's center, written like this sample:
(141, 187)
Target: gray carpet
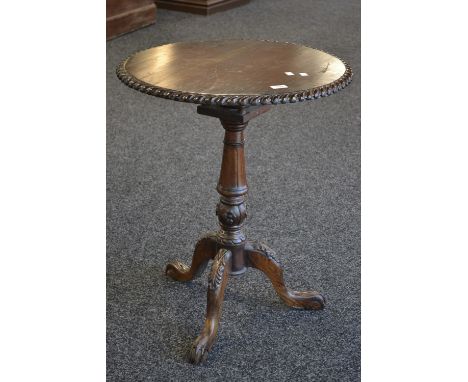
(304, 200)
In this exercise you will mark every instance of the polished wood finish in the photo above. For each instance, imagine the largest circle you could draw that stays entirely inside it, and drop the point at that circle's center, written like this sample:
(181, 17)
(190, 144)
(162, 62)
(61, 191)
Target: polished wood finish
(260, 256)
(230, 80)
(205, 250)
(234, 252)
(235, 72)
(125, 16)
(202, 7)
(217, 281)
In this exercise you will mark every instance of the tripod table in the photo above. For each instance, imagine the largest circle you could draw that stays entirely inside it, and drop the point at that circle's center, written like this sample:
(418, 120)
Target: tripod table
(235, 81)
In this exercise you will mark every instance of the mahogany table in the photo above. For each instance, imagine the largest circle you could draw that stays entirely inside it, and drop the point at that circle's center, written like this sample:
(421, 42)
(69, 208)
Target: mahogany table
(235, 81)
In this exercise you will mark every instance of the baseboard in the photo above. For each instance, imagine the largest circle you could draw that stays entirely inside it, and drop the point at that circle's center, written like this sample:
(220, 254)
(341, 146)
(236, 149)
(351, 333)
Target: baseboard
(130, 20)
(202, 7)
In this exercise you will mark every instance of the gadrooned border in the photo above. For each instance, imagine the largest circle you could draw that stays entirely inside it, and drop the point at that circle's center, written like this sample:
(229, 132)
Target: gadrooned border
(236, 100)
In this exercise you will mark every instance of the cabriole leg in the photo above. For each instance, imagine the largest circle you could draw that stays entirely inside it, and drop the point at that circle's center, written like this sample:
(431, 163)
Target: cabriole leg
(260, 256)
(217, 281)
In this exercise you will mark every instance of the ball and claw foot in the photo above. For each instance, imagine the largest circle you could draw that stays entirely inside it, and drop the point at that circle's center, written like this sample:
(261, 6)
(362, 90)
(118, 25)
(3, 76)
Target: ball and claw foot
(199, 351)
(260, 256)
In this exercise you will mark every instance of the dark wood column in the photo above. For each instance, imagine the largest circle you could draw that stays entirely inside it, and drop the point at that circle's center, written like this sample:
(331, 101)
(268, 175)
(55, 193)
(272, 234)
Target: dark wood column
(232, 184)
(232, 188)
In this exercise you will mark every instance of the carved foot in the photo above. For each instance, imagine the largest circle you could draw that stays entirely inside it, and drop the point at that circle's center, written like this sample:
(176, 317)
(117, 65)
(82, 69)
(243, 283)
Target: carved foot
(216, 283)
(205, 250)
(260, 256)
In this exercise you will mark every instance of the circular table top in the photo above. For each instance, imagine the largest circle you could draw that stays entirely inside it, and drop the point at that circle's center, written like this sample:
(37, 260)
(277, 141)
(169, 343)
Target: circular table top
(235, 72)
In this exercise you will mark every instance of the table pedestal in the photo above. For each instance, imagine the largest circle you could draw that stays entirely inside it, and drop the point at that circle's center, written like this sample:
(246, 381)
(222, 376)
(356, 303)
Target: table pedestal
(231, 253)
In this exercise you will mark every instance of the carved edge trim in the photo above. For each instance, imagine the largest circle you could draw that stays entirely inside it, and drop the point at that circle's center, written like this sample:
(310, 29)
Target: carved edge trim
(231, 241)
(222, 239)
(215, 277)
(229, 100)
(266, 251)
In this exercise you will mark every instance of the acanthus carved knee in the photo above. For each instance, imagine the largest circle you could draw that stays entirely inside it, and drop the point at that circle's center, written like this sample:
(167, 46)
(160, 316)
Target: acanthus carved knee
(266, 251)
(216, 275)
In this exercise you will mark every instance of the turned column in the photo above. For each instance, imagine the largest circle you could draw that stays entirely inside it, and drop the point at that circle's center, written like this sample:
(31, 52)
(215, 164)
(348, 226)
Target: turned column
(232, 187)
(232, 184)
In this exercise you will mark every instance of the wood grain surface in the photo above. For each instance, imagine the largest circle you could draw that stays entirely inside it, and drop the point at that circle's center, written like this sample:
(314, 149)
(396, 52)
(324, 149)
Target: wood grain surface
(235, 72)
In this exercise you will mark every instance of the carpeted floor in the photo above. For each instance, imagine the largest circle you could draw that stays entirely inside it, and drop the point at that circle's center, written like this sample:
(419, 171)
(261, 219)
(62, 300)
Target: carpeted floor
(304, 201)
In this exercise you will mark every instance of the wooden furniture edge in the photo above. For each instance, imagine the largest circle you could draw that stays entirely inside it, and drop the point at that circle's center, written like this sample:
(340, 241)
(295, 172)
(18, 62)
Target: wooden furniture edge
(129, 21)
(206, 9)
